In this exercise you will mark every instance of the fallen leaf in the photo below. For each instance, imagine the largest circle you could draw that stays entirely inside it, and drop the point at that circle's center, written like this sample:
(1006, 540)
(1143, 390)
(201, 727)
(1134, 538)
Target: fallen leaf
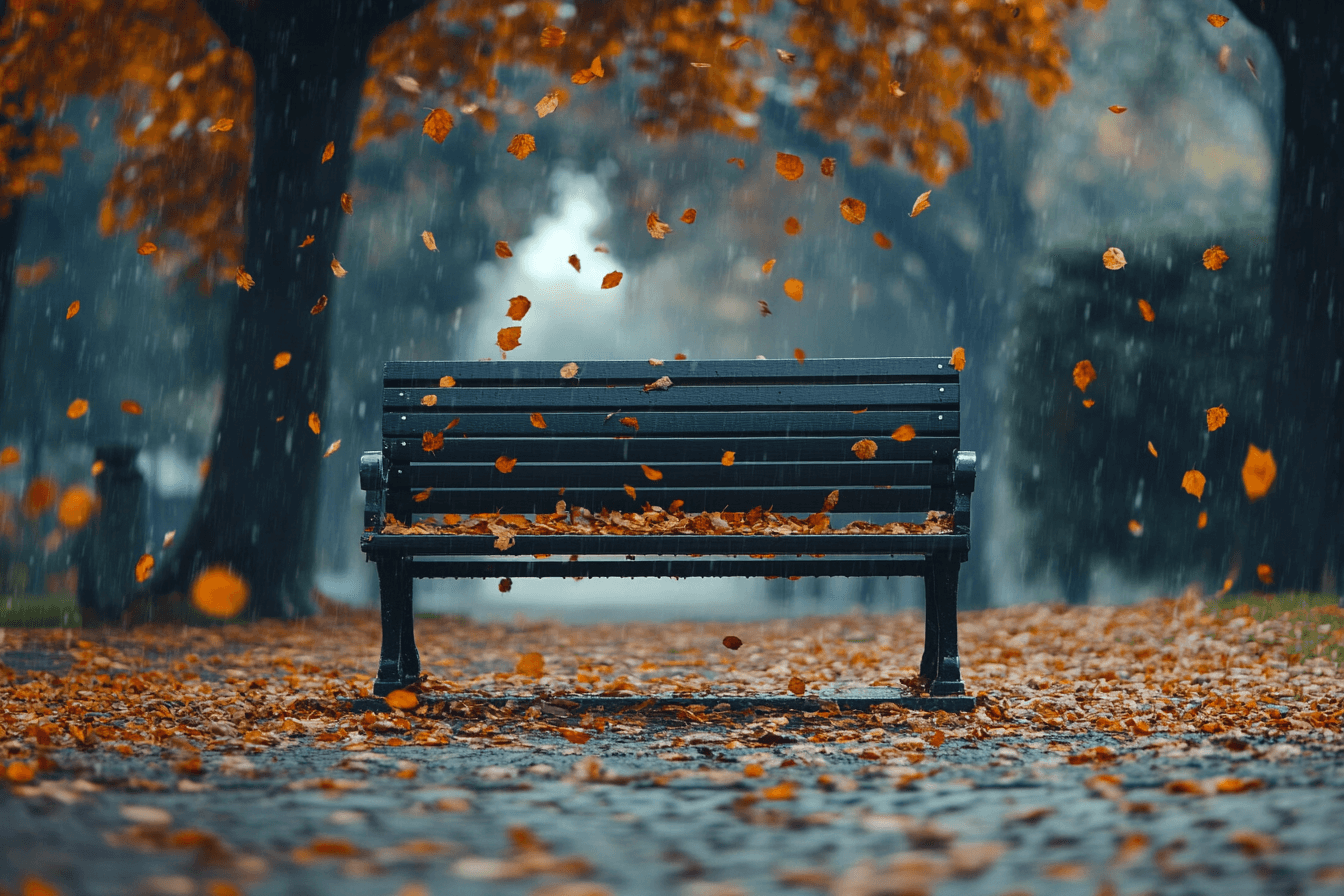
(347, 204)
(650, 473)
(78, 408)
(1258, 472)
(1113, 259)
(788, 166)
(328, 151)
(509, 338)
(793, 288)
(1084, 374)
(739, 43)
(281, 359)
(1214, 258)
(547, 104)
(1118, 110)
(307, 241)
(1193, 482)
(831, 501)
(738, 162)
(958, 359)
(505, 464)
(518, 307)
(552, 36)
(1265, 573)
(657, 229)
(431, 442)
(663, 383)
(243, 279)
(318, 306)
(732, 642)
(784, 790)
(631, 422)
(881, 239)
(904, 433)
(315, 423)
(688, 216)
(864, 449)
(332, 448)
(764, 307)
(147, 248)
(574, 262)
(72, 310)
(575, 736)
(797, 686)
(537, 420)
(219, 592)
(1253, 843)
(131, 407)
(402, 699)
(921, 203)
(729, 457)
(222, 125)
(429, 400)
(428, 239)
(21, 773)
(630, 490)
(894, 88)
(522, 146)
(144, 567)
(768, 266)
(336, 268)
(853, 210)
(1146, 310)
(1215, 417)
(1217, 21)
(799, 355)
(785, 57)
(437, 125)
(569, 371)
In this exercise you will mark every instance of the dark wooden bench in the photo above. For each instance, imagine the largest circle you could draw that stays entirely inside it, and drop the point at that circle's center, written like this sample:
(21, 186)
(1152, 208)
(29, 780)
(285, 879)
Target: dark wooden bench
(791, 427)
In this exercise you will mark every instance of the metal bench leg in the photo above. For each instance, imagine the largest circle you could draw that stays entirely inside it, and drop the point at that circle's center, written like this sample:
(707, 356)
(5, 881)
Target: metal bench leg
(928, 663)
(941, 606)
(394, 593)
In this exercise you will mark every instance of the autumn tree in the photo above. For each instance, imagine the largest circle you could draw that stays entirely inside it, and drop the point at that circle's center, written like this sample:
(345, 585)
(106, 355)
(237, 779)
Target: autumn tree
(240, 122)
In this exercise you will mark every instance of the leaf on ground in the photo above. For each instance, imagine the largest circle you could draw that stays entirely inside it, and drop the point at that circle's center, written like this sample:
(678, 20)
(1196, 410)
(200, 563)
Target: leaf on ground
(402, 699)
(865, 449)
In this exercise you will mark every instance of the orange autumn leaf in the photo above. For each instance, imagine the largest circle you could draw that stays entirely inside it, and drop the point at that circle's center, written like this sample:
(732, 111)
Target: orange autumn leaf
(537, 420)
(1118, 110)
(797, 686)
(788, 166)
(575, 736)
(9, 455)
(1203, 519)
(219, 592)
(522, 146)
(657, 229)
(894, 88)
(574, 262)
(921, 204)
(784, 790)
(738, 162)
(629, 490)
(631, 422)
(1193, 482)
(732, 642)
(37, 497)
(78, 408)
(328, 151)
(221, 126)
(958, 359)
(768, 266)
(307, 241)
(422, 496)
(144, 567)
(428, 239)
(1152, 450)
(1217, 21)
(864, 449)
(332, 448)
(147, 248)
(502, 249)
(1215, 417)
(793, 288)
(1146, 310)
(72, 310)
(552, 36)
(75, 507)
(688, 216)
(764, 307)
(650, 473)
(318, 306)
(505, 464)
(729, 458)
(547, 104)
(569, 371)
(1135, 528)
(1265, 573)
(509, 338)
(799, 355)
(881, 239)
(518, 307)
(1214, 258)
(853, 210)
(785, 56)
(1258, 472)
(1089, 402)
(583, 76)
(437, 125)
(429, 400)
(21, 773)
(739, 43)
(402, 699)
(243, 279)
(1084, 374)
(1113, 259)
(505, 584)
(130, 406)
(791, 226)
(281, 360)
(904, 433)
(347, 204)
(431, 442)
(831, 501)
(612, 279)
(315, 423)
(336, 268)
(828, 167)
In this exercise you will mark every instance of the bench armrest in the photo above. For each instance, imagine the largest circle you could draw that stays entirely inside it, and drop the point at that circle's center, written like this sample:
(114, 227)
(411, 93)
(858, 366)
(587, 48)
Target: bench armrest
(373, 479)
(963, 482)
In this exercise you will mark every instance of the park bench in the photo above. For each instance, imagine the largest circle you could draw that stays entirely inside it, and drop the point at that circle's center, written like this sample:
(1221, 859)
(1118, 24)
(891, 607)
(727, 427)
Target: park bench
(580, 433)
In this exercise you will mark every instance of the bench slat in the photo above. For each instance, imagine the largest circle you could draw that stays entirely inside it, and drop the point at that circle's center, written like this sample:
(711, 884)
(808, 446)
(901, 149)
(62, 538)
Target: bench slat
(649, 449)
(802, 501)
(853, 369)
(848, 472)
(875, 425)
(561, 546)
(716, 567)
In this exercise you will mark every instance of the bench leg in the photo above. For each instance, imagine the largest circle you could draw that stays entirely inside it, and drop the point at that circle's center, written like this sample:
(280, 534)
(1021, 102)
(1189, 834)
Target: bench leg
(399, 663)
(941, 663)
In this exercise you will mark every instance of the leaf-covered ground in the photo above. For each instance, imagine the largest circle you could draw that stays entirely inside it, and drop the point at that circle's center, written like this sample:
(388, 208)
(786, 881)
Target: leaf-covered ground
(1172, 744)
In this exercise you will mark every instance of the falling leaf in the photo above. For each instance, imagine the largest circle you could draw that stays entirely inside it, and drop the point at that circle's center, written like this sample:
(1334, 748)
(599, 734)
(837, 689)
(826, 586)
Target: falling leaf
(332, 448)
(785, 57)
(799, 355)
(78, 408)
(764, 306)
(663, 383)
(904, 433)
(1118, 110)
(428, 239)
(654, 362)
(1152, 450)
(612, 279)
(596, 67)
(1251, 65)
(144, 567)
(1258, 472)
(1146, 310)
(1224, 57)
(1089, 402)
(657, 229)
(318, 306)
(738, 162)
(243, 279)
(631, 422)
(1083, 375)
(437, 125)
(688, 216)
(569, 371)
(882, 240)
(522, 145)
(72, 310)
(509, 338)
(547, 104)
(537, 420)
(315, 423)
(853, 210)
(307, 241)
(1215, 417)
(131, 407)
(429, 400)
(75, 508)
(9, 455)
(791, 226)
(768, 266)
(336, 268)
(1135, 528)
(552, 36)
(1203, 519)
(221, 126)
(33, 274)
(402, 699)
(1113, 259)
(1217, 21)
(732, 642)
(422, 496)
(894, 88)
(797, 686)
(729, 457)
(865, 449)
(788, 166)
(407, 83)
(518, 306)
(831, 502)
(828, 167)
(921, 203)
(679, 356)
(502, 249)
(328, 151)
(574, 262)
(281, 360)
(699, 65)
(630, 490)
(793, 288)
(505, 585)
(584, 75)
(347, 204)
(958, 359)
(147, 248)
(1265, 573)
(219, 592)
(739, 43)
(1193, 482)
(1214, 258)
(431, 442)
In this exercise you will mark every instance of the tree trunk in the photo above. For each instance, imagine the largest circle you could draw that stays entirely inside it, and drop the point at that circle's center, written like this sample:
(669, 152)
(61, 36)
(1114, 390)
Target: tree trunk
(1299, 526)
(258, 505)
(9, 249)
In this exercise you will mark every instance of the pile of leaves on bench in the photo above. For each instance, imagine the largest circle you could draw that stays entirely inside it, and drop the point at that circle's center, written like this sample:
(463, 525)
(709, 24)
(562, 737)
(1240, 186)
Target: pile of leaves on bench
(656, 521)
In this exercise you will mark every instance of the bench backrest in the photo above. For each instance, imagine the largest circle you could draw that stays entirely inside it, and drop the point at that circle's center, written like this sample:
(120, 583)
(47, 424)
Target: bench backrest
(790, 426)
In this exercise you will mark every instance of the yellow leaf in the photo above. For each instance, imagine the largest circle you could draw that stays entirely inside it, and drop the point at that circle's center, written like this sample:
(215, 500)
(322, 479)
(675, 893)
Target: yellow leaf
(882, 240)
(1135, 528)
(437, 125)
(650, 473)
(144, 567)
(853, 210)
(788, 166)
(797, 686)
(574, 262)
(768, 266)
(958, 359)
(1152, 450)
(1203, 519)
(729, 457)
(522, 145)
(1265, 573)
(78, 408)
(428, 239)
(1113, 259)
(429, 401)
(9, 455)
(281, 360)
(1214, 258)
(402, 699)
(657, 229)
(894, 88)
(904, 433)
(509, 338)
(505, 464)
(574, 736)
(336, 268)
(784, 790)
(632, 422)
(828, 167)
(447, 382)
(332, 448)
(738, 162)
(739, 43)
(785, 56)
(569, 371)
(630, 490)
(1258, 472)
(1217, 21)
(791, 226)
(518, 307)
(72, 310)
(921, 203)
(222, 125)
(327, 152)
(1215, 417)
(219, 592)
(865, 449)
(1193, 482)
(793, 288)
(243, 279)
(612, 279)
(1084, 374)
(315, 423)
(596, 67)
